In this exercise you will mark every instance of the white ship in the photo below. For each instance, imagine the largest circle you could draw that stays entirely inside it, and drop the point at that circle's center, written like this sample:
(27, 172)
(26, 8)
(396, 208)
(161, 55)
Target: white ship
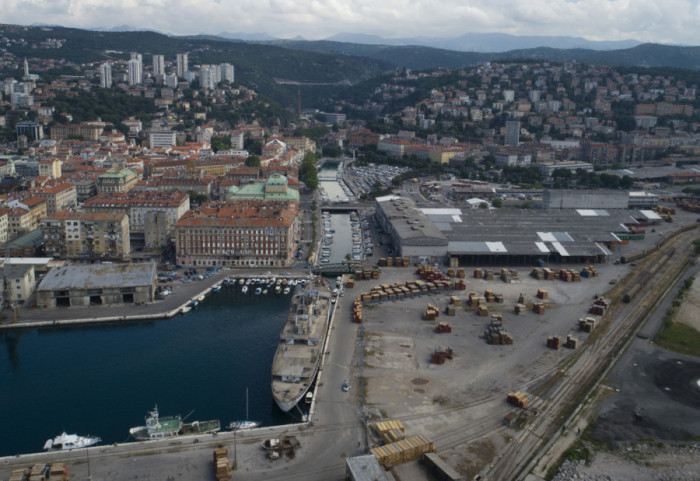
(301, 345)
(66, 442)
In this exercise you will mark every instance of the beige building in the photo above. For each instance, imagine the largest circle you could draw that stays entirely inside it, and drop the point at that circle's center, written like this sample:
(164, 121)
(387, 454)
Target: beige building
(250, 234)
(137, 205)
(50, 168)
(83, 235)
(115, 180)
(58, 196)
(26, 215)
(19, 283)
(4, 226)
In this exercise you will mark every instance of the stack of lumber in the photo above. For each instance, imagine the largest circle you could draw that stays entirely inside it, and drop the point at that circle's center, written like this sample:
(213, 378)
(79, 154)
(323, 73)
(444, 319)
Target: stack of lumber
(542, 293)
(482, 310)
(586, 324)
(496, 334)
(488, 275)
(460, 285)
(390, 431)
(499, 298)
(537, 273)
(549, 274)
(404, 262)
(539, 307)
(473, 299)
(589, 271)
(403, 451)
(451, 272)
(443, 327)
(431, 313)
(58, 472)
(520, 308)
(569, 275)
(518, 399)
(571, 342)
(350, 283)
(222, 465)
(357, 310)
(441, 354)
(461, 274)
(554, 342)
(478, 273)
(489, 296)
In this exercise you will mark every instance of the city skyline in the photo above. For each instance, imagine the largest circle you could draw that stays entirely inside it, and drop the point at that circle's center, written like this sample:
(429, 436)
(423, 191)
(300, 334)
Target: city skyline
(646, 21)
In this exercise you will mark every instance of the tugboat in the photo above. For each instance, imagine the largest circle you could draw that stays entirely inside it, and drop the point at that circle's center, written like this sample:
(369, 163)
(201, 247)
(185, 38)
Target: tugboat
(67, 442)
(168, 427)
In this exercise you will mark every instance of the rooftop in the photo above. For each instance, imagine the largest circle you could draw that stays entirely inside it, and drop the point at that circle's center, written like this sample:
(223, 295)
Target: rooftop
(95, 276)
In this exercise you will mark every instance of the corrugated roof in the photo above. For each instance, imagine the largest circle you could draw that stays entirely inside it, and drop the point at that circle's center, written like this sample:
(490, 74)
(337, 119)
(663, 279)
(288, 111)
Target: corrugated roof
(95, 276)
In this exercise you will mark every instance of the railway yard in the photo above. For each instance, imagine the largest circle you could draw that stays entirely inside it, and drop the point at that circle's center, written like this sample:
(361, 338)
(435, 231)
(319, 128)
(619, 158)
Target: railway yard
(444, 381)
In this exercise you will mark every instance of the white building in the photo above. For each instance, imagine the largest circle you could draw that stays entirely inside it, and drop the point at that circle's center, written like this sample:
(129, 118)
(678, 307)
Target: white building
(158, 65)
(182, 65)
(512, 136)
(512, 159)
(226, 72)
(209, 76)
(509, 95)
(161, 138)
(135, 73)
(171, 81)
(106, 76)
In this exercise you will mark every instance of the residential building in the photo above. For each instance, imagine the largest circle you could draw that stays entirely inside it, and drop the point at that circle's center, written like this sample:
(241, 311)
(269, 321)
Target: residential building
(20, 283)
(138, 204)
(250, 234)
(227, 72)
(182, 65)
(59, 196)
(106, 76)
(85, 131)
(161, 138)
(4, 226)
(158, 65)
(25, 215)
(512, 136)
(86, 235)
(135, 70)
(50, 168)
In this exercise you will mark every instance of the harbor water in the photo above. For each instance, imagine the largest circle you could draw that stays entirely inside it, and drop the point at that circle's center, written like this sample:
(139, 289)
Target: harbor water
(329, 184)
(102, 380)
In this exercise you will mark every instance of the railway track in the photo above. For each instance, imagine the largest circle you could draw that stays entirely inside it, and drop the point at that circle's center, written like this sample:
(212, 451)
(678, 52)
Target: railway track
(619, 323)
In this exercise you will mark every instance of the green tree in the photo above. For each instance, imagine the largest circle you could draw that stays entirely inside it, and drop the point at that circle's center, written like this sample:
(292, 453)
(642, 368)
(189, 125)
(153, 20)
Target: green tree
(307, 171)
(497, 203)
(252, 161)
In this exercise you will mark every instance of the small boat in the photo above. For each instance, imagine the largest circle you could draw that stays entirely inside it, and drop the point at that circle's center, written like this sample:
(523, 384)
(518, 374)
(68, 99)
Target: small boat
(200, 298)
(67, 442)
(185, 309)
(286, 291)
(216, 288)
(278, 289)
(244, 289)
(246, 423)
(193, 304)
(258, 290)
(168, 427)
(309, 397)
(241, 281)
(264, 291)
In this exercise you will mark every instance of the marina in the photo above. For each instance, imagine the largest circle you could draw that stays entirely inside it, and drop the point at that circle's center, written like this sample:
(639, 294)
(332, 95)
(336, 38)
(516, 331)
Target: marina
(229, 335)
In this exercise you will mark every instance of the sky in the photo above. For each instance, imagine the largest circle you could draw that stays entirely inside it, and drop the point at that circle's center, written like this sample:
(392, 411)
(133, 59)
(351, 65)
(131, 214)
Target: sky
(660, 21)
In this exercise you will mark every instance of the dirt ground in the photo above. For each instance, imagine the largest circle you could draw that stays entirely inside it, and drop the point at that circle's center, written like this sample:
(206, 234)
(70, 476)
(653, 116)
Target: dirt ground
(688, 312)
(466, 396)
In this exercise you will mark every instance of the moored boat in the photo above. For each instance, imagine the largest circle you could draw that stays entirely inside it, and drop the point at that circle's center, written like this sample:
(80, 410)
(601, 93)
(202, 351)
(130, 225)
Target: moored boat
(301, 345)
(67, 442)
(172, 426)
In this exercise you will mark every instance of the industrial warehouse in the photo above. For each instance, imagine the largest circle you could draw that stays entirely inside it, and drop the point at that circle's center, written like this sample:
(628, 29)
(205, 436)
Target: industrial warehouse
(97, 284)
(489, 237)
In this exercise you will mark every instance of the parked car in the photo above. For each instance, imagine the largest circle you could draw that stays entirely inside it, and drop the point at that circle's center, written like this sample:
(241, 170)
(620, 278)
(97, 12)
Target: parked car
(346, 385)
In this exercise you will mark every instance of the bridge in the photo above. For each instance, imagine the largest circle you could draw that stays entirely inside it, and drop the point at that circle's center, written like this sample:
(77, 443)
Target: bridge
(349, 267)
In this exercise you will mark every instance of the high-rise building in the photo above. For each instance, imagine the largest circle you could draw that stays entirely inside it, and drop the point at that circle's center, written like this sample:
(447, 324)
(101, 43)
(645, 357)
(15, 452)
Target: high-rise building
(512, 136)
(181, 65)
(135, 73)
(209, 76)
(26, 68)
(158, 65)
(106, 76)
(171, 81)
(226, 72)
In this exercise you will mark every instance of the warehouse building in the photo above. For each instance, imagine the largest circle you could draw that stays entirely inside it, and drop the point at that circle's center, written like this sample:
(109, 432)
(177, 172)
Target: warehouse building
(585, 199)
(97, 284)
(481, 237)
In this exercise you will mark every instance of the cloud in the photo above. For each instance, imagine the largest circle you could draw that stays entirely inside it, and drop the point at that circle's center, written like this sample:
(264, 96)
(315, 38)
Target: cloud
(671, 21)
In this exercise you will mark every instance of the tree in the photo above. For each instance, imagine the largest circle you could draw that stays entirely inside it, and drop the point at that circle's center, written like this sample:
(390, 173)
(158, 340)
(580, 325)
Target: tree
(252, 161)
(497, 203)
(307, 171)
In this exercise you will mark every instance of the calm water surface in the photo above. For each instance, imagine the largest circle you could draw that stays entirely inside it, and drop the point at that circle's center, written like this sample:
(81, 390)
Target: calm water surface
(103, 380)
